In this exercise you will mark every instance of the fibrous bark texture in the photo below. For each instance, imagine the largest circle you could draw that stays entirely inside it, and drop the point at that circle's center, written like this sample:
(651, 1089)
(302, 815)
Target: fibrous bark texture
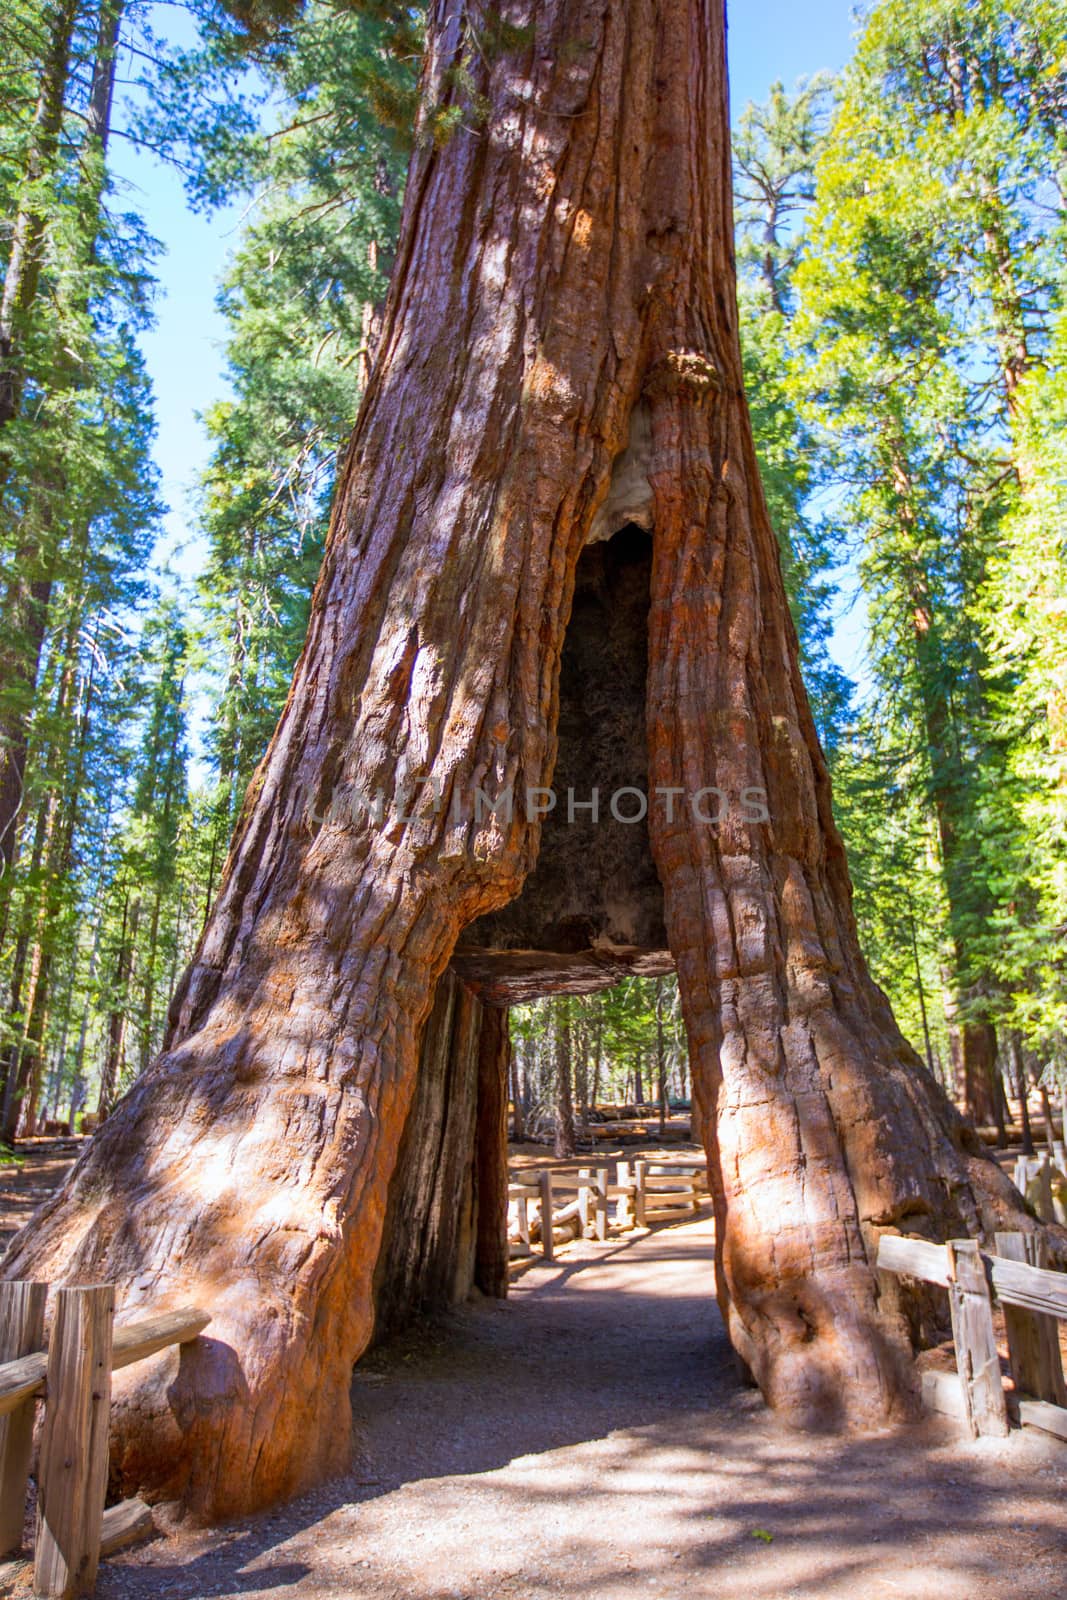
(447, 1207)
(591, 911)
(561, 325)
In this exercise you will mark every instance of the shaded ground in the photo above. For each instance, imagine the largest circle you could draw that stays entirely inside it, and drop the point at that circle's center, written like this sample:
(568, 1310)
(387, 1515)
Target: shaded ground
(39, 1167)
(588, 1439)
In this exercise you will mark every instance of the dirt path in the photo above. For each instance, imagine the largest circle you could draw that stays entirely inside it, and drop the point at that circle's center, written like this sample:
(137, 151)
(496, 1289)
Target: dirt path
(588, 1439)
(40, 1167)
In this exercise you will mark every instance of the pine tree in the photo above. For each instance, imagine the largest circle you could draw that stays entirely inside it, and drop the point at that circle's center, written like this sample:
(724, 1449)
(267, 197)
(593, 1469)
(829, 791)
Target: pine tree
(912, 297)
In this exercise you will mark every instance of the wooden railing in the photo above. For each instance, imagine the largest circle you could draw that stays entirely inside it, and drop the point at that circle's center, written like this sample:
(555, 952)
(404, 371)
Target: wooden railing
(1044, 1184)
(1033, 1299)
(73, 1378)
(644, 1192)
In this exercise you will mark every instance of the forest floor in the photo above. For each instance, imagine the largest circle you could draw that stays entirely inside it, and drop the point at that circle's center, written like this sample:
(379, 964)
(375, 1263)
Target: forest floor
(589, 1439)
(39, 1167)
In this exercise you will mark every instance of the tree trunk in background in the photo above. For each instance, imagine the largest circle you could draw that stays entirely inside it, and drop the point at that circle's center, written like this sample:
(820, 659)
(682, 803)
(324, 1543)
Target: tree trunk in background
(1046, 1113)
(563, 1100)
(979, 1052)
(25, 255)
(580, 1059)
(491, 1255)
(598, 1045)
(518, 1107)
(28, 593)
(661, 1060)
(563, 272)
(115, 1054)
(1022, 1090)
(447, 1207)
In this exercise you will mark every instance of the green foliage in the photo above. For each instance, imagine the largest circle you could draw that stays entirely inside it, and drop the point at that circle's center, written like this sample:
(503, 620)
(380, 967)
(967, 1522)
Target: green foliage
(1025, 616)
(775, 151)
(924, 290)
(618, 1043)
(302, 301)
(900, 243)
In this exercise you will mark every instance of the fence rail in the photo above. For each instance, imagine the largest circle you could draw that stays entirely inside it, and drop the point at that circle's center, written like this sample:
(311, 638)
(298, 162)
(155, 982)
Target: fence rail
(1043, 1181)
(73, 1377)
(1033, 1299)
(644, 1192)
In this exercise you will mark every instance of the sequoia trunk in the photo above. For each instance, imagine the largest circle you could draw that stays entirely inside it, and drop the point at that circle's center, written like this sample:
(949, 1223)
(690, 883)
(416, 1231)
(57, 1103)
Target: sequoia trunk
(562, 305)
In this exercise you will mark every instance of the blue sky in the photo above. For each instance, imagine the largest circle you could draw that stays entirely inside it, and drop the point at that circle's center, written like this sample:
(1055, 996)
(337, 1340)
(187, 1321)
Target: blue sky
(768, 40)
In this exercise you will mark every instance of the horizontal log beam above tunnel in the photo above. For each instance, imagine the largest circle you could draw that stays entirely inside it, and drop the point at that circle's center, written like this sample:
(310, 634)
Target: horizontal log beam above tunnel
(514, 977)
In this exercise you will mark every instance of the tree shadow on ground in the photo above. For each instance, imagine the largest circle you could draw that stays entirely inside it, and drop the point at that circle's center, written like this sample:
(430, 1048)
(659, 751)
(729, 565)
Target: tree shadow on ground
(590, 1438)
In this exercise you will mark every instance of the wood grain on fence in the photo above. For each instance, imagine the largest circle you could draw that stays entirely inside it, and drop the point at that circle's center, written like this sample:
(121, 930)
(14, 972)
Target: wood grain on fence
(74, 1376)
(21, 1333)
(1032, 1297)
(72, 1475)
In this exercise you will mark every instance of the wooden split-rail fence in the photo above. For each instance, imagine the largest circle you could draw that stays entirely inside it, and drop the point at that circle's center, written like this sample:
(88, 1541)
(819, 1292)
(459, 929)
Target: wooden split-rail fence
(1044, 1183)
(1033, 1299)
(72, 1377)
(643, 1192)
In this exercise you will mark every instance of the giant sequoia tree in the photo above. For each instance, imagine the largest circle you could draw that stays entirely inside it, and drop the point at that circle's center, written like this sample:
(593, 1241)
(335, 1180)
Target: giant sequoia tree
(559, 361)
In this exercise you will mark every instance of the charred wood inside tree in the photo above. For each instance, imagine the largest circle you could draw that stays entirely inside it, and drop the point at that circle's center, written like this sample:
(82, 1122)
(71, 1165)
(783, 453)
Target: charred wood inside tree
(447, 1202)
(591, 910)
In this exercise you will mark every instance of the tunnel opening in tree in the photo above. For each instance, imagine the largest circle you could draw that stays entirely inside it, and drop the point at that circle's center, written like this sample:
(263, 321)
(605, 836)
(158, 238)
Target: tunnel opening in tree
(564, 286)
(591, 909)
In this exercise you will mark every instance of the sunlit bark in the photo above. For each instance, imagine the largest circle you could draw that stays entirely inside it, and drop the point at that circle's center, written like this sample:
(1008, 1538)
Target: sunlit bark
(565, 268)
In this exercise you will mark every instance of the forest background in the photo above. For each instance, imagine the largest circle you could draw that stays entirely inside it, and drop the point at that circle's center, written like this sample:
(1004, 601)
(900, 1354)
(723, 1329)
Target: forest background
(903, 291)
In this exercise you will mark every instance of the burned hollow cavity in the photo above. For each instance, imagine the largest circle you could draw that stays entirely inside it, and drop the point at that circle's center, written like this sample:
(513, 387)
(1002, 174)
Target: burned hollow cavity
(591, 911)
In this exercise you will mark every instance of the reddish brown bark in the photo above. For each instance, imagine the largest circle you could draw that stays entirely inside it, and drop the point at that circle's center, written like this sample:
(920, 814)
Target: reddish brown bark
(564, 283)
(447, 1202)
(491, 1155)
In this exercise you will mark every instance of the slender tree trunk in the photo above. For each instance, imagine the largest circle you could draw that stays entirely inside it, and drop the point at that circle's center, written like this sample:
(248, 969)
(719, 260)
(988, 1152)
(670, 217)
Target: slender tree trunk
(78, 1086)
(518, 1106)
(115, 1054)
(25, 256)
(1001, 1109)
(163, 806)
(920, 989)
(53, 857)
(28, 595)
(1046, 1113)
(661, 1060)
(976, 1042)
(598, 1048)
(580, 1042)
(562, 1035)
(1022, 1090)
(561, 268)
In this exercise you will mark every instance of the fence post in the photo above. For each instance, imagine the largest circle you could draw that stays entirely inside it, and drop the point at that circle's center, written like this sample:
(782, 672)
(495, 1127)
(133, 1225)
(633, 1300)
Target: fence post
(640, 1173)
(624, 1203)
(583, 1198)
(21, 1333)
(602, 1203)
(1033, 1339)
(976, 1346)
(544, 1183)
(1042, 1200)
(72, 1472)
(522, 1206)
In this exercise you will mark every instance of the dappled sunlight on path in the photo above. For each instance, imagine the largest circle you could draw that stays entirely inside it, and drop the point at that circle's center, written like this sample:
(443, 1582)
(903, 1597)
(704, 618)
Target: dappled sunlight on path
(590, 1439)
